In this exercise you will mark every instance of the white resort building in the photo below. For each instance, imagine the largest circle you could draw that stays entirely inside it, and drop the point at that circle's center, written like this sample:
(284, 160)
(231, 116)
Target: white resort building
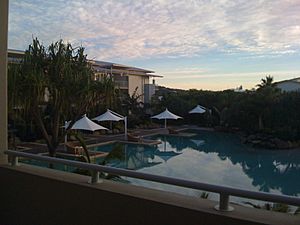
(289, 85)
(128, 78)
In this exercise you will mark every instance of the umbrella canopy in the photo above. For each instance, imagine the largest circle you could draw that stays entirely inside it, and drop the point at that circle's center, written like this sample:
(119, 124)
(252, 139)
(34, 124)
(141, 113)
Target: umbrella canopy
(108, 116)
(166, 115)
(112, 116)
(198, 109)
(86, 124)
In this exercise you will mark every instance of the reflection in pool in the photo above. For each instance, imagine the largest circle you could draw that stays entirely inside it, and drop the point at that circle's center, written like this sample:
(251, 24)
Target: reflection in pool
(215, 158)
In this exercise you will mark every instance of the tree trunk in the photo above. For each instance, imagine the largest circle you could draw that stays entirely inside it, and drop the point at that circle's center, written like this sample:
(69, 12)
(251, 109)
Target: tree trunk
(50, 141)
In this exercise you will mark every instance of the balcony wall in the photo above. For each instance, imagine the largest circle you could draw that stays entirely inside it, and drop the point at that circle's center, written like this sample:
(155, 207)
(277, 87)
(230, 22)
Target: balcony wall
(32, 195)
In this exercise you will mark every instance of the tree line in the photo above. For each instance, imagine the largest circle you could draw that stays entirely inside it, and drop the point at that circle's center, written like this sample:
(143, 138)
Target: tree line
(267, 109)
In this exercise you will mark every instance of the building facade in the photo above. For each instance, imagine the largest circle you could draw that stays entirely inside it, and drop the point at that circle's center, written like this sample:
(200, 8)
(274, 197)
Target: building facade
(289, 85)
(128, 79)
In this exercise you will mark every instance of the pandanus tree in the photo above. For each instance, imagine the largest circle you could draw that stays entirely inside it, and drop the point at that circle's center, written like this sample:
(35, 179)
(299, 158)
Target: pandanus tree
(52, 85)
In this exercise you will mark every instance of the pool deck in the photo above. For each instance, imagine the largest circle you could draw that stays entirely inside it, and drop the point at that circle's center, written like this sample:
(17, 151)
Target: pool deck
(182, 134)
(98, 140)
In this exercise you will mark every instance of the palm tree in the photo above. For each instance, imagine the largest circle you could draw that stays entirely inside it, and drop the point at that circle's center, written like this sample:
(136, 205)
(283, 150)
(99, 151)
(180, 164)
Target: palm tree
(134, 107)
(266, 95)
(266, 82)
(105, 95)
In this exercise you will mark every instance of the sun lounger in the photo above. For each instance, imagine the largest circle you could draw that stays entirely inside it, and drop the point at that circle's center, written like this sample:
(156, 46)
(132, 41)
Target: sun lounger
(172, 131)
(133, 138)
(73, 148)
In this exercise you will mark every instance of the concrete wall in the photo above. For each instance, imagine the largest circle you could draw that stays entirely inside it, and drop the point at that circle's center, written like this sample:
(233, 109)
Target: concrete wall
(289, 86)
(32, 195)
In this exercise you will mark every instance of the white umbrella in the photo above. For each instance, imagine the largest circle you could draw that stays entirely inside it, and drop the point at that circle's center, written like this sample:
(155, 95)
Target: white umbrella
(166, 115)
(83, 124)
(108, 116)
(112, 116)
(198, 109)
(86, 124)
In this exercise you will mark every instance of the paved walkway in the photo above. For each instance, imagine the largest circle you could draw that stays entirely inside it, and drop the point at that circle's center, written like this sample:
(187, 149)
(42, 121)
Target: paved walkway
(36, 148)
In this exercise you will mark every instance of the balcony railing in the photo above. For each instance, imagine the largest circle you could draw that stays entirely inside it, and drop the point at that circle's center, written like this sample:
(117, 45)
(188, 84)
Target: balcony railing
(224, 192)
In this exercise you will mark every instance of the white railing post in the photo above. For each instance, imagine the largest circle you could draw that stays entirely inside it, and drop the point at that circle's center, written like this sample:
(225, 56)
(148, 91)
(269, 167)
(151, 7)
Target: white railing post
(224, 203)
(125, 127)
(95, 177)
(66, 136)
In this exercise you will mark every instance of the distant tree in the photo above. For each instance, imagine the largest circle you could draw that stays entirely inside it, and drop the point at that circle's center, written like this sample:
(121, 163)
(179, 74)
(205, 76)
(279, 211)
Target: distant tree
(265, 110)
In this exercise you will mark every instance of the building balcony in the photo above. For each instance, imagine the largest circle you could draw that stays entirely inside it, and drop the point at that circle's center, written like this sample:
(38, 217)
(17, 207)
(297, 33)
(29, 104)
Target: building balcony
(122, 84)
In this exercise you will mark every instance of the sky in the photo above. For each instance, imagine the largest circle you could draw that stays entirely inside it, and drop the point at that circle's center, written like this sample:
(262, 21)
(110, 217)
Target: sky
(202, 44)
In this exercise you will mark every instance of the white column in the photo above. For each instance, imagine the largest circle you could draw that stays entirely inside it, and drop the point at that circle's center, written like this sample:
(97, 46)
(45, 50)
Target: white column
(3, 79)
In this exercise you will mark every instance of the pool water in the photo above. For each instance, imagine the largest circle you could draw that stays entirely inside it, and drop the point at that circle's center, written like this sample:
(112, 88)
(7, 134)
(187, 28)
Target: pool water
(55, 166)
(210, 157)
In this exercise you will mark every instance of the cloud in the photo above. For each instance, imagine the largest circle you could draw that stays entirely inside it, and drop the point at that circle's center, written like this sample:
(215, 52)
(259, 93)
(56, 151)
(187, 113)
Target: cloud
(146, 28)
(180, 71)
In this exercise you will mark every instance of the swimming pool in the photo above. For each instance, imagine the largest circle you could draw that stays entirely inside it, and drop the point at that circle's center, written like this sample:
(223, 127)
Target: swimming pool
(210, 157)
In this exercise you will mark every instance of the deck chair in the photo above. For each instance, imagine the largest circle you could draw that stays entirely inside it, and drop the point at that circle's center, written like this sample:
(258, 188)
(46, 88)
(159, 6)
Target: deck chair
(172, 131)
(75, 149)
(134, 138)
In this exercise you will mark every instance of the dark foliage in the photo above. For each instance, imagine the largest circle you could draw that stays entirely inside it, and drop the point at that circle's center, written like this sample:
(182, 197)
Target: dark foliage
(265, 110)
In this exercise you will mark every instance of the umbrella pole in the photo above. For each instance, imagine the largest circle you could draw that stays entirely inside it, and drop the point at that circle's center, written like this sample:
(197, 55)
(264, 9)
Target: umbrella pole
(165, 123)
(66, 136)
(126, 162)
(125, 127)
